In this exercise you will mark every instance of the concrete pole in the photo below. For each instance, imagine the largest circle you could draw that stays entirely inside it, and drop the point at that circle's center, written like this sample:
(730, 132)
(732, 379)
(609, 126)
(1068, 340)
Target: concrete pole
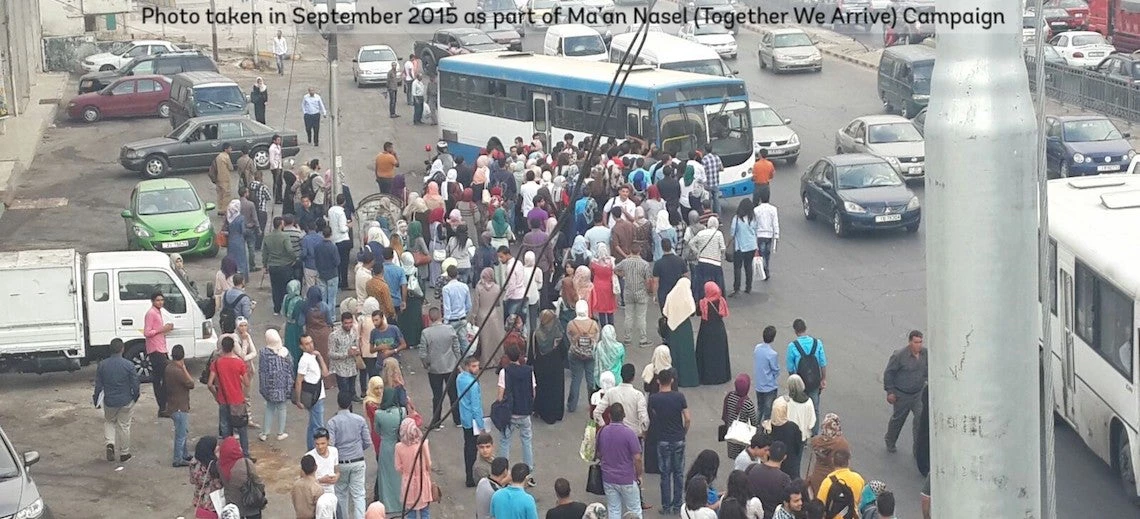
(253, 9)
(214, 32)
(334, 111)
(981, 249)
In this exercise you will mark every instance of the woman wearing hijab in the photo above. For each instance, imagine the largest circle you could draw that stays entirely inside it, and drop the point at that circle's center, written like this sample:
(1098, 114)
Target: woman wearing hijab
(469, 210)
(661, 361)
(235, 248)
(868, 507)
(679, 306)
(782, 429)
(416, 210)
(549, 369)
(609, 355)
(801, 408)
(437, 241)
(533, 289)
(605, 383)
(293, 310)
(394, 380)
(712, 339)
(738, 406)
(452, 190)
(501, 233)
(414, 468)
(259, 96)
(411, 321)
(581, 334)
(488, 310)
(178, 265)
(372, 398)
(479, 179)
(400, 238)
(387, 422)
(567, 296)
(275, 382)
(460, 247)
(580, 254)
(653, 203)
(224, 279)
(432, 199)
(603, 301)
(663, 230)
(377, 240)
(236, 471)
(418, 247)
(822, 447)
(204, 477)
(316, 313)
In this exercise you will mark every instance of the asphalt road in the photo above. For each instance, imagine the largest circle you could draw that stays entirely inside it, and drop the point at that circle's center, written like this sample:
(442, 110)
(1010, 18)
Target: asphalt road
(859, 295)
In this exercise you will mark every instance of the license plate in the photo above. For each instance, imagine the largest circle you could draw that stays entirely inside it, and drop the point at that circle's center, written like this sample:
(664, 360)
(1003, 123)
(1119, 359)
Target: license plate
(1108, 168)
(888, 218)
(914, 170)
(176, 244)
(1096, 54)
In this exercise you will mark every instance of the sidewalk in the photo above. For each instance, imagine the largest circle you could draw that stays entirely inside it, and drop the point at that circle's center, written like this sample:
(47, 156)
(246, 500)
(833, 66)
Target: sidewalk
(22, 134)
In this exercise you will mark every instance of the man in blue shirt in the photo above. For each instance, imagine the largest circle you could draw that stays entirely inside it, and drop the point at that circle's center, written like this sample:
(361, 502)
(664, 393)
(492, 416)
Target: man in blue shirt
(512, 501)
(348, 432)
(327, 262)
(118, 384)
(765, 373)
(470, 412)
(309, 258)
(807, 343)
(397, 281)
(456, 298)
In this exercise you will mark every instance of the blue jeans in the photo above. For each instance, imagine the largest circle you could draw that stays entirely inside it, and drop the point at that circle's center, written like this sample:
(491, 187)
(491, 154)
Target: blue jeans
(522, 424)
(224, 429)
(619, 496)
(280, 64)
(460, 328)
(274, 413)
(316, 421)
(350, 486)
(331, 289)
(605, 318)
(419, 514)
(181, 429)
(814, 396)
(579, 370)
(671, 461)
(765, 245)
(764, 403)
(514, 307)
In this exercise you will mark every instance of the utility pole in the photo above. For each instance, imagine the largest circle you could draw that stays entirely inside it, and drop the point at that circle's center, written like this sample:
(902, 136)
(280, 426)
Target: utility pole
(334, 110)
(981, 243)
(253, 9)
(214, 31)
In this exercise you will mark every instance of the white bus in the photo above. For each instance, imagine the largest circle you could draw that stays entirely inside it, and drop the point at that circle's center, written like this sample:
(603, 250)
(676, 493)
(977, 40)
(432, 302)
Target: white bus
(670, 53)
(1094, 257)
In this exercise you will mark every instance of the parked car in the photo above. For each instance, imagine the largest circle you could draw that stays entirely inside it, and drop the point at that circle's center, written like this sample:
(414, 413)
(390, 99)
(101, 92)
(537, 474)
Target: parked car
(858, 192)
(503, 9)
(713, 36)
(540, 8)
(770, 132)
(920, 122)
(1084, 49)
(913, 32)
(193, 145)
(167, 215)
(1078, 11)
(705, 6)
(846, 7)
(120, 54)
(1030, 30)
(167, 64)
(594, 22)
(892, 137)
(131, 96)
(1078, 145)
(603, 6)
(371, 65)
(504, 34)
(434, 9)
(1058, 20)
(789, 49)
(21, 497)
(451, 41)
(1120, 67)
(634, 27)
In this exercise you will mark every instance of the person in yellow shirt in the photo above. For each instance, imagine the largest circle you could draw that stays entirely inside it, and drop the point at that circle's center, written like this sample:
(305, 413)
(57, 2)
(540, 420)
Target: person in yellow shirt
(842, 460)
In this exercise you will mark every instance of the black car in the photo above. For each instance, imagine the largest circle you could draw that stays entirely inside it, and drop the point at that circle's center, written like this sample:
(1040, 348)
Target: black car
(167, 65)
(194, 144)
(19, 496)
(1120, 68)
(858, 192)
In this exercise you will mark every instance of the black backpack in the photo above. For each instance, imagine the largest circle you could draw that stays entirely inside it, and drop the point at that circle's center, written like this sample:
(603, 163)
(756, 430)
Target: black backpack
(840, 500)
(227, 318)
(808, 367)
(307, 189)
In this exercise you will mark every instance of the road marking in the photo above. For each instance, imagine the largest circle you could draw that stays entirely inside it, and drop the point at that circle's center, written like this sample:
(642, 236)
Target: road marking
(37, 203)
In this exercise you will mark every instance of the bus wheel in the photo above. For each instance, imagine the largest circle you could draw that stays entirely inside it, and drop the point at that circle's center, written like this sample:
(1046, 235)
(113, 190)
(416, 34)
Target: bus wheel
(1124, 468)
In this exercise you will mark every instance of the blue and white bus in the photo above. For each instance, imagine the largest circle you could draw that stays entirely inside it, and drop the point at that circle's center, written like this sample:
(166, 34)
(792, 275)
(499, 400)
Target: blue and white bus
(514, 94)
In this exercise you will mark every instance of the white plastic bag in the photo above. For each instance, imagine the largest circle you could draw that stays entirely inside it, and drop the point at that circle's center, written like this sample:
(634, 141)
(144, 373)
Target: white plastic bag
(758, 269)
(589, 442)
(472, 342)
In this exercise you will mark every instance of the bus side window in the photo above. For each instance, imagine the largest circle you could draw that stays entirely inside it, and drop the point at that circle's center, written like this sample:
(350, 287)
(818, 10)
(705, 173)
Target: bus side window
(540, 123)
(100, 287)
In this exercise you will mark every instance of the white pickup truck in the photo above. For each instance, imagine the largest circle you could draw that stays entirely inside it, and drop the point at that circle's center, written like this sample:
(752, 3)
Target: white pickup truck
(62, 310)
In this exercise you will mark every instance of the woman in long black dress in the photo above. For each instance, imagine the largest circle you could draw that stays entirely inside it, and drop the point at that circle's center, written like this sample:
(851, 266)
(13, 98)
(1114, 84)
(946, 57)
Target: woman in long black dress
(549, 371)
(662, 361)
(712, 339)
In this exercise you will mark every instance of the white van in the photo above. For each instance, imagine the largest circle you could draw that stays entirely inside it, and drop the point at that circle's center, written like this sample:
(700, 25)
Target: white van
(670, 52)
(573, 40)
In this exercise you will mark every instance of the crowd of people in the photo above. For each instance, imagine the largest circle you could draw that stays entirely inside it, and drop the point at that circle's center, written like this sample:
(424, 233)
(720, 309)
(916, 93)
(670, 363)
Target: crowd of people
(518, 264)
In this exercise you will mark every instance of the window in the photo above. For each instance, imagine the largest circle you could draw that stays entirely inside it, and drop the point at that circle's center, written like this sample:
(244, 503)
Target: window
(1053, 276)
(478, 102)
(124, 88)
(157, 49)
(631, 122)
(167, 67)
(540, 122)
(143, 68)
(138, 285)
(136, 52)
(1054, 129)
(147, 86)
(101, 287)
(1104, 319)
(229, 130)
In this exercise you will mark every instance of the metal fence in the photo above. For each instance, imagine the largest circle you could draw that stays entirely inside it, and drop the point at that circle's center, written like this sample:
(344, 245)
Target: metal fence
(1089, 90)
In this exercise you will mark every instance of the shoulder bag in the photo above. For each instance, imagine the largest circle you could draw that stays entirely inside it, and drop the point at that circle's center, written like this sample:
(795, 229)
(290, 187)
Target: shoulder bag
(594, 484)
(252, 491)
(739, 431)
(310, 393)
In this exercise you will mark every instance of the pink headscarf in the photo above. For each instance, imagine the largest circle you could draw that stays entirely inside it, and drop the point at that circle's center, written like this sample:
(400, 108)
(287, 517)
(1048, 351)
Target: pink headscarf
(376, 511)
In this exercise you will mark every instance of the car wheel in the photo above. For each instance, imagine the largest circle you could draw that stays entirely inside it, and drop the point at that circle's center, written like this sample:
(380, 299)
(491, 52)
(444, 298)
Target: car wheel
(155, 166)
(762, 64)
(912, 228)
(164, 109)
(808, 212)
(1124, 469)
(106, 68)
(260, 157)
(837, 225)
(428, 63)
(1064, 170)
(791, 160)
(357, 81)
(91, 114)
(136, 354)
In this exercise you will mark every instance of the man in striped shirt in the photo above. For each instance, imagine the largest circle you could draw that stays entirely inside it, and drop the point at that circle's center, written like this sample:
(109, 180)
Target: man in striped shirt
(713, 167)
(635, 273)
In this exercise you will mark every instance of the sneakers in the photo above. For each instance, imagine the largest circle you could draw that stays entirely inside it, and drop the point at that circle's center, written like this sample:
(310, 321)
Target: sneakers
(179, 464)
(531, 482)
(262, 437)
(282, 436)
(124, 458)
(110, 452)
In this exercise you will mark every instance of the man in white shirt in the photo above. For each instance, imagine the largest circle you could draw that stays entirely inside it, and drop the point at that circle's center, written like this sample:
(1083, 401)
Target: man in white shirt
(280, 50)
(756, 452)
(529, 190)
(275, 167)
(409, 74)
(339, 223)
(363, 274)
(630, 398)
(419, 91)
(767, 231)
(326, 456)
(311, 370)
(708, 247)
(627, 206)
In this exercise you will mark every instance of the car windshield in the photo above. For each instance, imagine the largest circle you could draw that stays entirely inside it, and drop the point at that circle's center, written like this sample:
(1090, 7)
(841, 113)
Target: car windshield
(1056, 12)
(499, 5)
(1091, 130)
(921, 80)
(1088, 39)
(8, 467)
(1051, 52)
(475, 38)
(710, 28)
(711, 67)
(792, 40)
(583, 45)
(544, 4)
(489, 27)
(859, 176)
(167, 201)
(1070, 4)
(180, 131)
(369, 55)
(893, 132)
(218, 99)
(765, 117)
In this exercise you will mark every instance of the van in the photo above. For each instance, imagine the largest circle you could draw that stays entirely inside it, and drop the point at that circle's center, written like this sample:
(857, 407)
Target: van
(194, 94)
(669, 52)
(574, 41)
(904, 78)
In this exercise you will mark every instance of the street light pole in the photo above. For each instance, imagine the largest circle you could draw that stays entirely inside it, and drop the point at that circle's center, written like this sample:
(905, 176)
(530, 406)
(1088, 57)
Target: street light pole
(214, 31)
(334, 110)
(252, 9)
(981, 246)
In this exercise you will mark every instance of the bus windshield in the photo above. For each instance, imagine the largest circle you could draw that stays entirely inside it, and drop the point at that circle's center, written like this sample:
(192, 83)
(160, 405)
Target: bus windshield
(710, 67)
(730, 128)
(727, 126)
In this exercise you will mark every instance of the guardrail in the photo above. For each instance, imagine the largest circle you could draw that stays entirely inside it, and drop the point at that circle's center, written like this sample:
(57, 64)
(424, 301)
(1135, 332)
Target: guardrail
(1088, 89)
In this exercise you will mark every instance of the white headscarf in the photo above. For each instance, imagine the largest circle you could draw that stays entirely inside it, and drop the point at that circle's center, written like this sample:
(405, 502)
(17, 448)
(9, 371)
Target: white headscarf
(376, 234)
(260, 84)
(452, 177)
(662, 221)
(233, 210)
(582, 309)
(679, 304)
(607, 381)
(662, 360)
(273, 343)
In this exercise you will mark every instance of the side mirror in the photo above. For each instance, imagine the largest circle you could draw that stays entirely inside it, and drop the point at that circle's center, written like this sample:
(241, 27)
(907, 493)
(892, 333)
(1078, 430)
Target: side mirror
(31, 458)
(787, 122)
(126, 213)
(1052, 138)
(824, 184)
(735, 72)
(1126, 135)
(859, 140)
(354, 60)
(210, 206)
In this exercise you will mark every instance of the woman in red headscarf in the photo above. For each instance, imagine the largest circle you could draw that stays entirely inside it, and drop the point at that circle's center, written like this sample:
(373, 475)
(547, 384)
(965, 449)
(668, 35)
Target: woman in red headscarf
(712, 339)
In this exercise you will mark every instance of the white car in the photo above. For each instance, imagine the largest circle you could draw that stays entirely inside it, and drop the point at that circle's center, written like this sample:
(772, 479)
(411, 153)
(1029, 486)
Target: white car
(432, 5)
(605, 6)
(713, 36)
(653, 27)
(789, 49)
(771, 133)
(1082, 48)
(125, 52)
(371, 65)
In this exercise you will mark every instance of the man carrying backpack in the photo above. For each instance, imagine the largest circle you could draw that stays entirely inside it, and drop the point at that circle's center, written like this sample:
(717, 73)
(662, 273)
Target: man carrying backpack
(807, 359)
(839, 489)
(235, 303)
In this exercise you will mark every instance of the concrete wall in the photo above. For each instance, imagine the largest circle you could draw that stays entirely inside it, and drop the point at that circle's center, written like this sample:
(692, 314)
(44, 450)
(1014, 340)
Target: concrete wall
(20, 47)
(61, 17)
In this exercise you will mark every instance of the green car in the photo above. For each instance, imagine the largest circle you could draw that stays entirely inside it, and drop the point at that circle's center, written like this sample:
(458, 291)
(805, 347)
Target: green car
(166, 215)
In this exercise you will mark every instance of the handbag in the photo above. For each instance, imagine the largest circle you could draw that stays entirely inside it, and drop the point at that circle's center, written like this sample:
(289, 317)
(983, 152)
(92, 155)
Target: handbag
(420, 259)
(722, 429)
(310, 394)
(594, 480)
(252, 491)
(436, 493)
(439, 255)
(739, 431)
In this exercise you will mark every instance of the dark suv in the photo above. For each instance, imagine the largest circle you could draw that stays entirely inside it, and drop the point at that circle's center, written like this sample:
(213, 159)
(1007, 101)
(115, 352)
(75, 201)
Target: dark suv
(19, 496)
(1121, 68)
(167, 65)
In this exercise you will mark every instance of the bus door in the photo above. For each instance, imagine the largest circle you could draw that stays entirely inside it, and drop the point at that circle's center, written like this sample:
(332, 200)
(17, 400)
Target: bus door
(1068, 374)
(541, 105)
(637, 122)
